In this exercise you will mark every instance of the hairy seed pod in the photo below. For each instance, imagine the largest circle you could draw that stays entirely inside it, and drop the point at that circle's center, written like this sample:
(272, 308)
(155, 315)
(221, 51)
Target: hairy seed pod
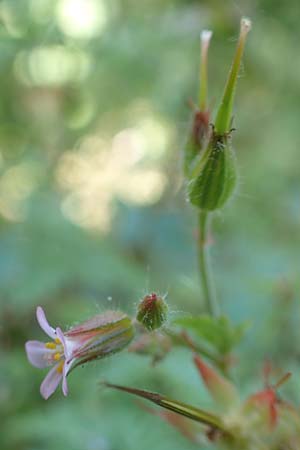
(214, 178)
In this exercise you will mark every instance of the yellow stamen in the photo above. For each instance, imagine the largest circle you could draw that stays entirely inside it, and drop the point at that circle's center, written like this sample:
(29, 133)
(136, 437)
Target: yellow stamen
(57, 356)
(60, 367)
(57, 341)
(50, 345)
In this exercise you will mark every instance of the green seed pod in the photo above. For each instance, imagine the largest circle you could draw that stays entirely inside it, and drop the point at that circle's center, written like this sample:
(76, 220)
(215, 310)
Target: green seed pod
(214, 178)
(152, 312)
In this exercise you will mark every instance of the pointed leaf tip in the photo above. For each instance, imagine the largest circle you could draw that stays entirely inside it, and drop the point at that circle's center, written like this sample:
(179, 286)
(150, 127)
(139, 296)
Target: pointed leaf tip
(196, 414)
(221, 390)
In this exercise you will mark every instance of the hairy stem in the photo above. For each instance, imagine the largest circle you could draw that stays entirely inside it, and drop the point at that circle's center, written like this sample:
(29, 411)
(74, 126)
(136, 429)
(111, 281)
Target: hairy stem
(208, 288)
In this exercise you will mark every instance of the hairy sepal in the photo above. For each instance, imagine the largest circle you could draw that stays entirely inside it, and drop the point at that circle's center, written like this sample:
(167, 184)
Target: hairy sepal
(214, 178)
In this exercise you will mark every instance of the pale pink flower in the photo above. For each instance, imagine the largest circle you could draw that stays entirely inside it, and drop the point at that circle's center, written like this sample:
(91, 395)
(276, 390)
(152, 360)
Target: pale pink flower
(98, 337)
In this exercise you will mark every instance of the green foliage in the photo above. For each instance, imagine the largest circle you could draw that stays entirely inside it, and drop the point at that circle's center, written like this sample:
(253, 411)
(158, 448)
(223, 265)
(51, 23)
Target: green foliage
(218, 332)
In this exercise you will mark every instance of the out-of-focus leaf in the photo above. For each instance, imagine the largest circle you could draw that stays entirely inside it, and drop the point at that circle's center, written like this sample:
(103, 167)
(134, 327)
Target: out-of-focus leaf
(218, 332)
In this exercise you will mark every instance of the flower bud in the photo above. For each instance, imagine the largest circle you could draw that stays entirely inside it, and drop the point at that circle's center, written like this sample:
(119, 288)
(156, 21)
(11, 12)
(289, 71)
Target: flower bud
(214, 179)
(152, 312)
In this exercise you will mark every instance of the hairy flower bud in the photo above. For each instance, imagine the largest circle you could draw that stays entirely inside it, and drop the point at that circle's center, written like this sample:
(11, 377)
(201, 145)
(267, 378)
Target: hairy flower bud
(152, 311)
(214, 178)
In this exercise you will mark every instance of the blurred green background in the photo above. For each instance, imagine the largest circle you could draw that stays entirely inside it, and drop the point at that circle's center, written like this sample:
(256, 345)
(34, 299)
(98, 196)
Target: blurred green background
(92, 205)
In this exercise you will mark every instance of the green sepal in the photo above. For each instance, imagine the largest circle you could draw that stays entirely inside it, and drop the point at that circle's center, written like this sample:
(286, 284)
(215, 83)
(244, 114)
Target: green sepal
(214, 178)
(224, 114)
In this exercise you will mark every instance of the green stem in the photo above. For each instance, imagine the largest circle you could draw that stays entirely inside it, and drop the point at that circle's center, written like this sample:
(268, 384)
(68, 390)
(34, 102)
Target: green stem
(208, 288)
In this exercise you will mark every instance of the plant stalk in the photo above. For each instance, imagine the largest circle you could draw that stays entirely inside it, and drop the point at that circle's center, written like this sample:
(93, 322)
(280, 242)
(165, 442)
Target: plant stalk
(208, 288)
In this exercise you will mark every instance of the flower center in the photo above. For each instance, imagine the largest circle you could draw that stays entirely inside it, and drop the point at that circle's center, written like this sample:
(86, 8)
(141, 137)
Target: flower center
(59, 368)
(56, 354)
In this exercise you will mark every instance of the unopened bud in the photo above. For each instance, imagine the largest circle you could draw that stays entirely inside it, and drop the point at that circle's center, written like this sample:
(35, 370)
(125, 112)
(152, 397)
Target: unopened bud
(214, 179)
(152, 311)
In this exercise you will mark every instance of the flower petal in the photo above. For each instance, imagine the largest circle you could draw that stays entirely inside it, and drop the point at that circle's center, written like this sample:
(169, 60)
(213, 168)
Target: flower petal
(43, 322)
(51, 381)
(68, 362)
(64, 382)
(61, 337)
(37, 354)
(69, 345)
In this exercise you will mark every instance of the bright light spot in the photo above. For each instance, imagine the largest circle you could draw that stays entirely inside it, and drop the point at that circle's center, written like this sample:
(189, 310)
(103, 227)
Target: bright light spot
(98, 172)
(154, 130)
(16, 184)
(82, 18)
(128, 147)
(51, 65)
(155, 134)
(144, 187)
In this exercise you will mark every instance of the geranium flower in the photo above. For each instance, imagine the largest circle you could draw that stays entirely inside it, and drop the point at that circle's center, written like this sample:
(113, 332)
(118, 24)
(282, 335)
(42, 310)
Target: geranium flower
(96, 338)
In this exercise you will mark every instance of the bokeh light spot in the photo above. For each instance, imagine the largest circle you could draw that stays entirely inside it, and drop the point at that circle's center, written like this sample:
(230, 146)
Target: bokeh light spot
(82, 18)
(51, 65)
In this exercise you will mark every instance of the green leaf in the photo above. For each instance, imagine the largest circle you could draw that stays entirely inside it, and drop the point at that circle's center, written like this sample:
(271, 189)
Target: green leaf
(219, 332)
